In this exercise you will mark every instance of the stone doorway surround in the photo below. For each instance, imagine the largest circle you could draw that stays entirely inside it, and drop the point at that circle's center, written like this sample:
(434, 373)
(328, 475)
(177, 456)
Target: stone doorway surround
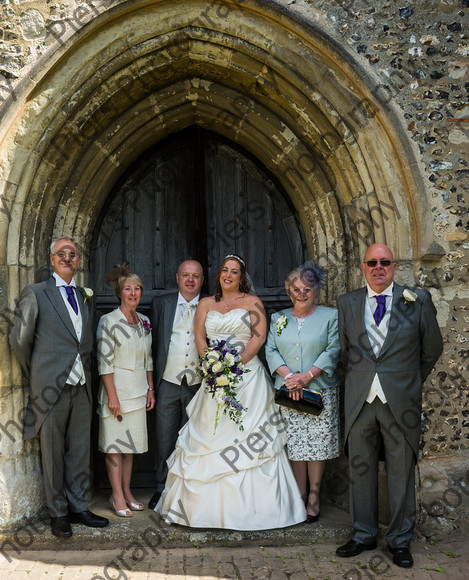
(134, 72)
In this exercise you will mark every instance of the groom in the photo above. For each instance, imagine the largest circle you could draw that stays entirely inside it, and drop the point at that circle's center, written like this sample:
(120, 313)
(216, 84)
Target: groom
(176, 360)
(390, 340)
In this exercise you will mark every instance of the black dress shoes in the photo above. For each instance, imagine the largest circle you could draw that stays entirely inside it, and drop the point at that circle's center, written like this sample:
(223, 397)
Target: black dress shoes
(88, 518)
(154, 500)
(60, 527)
(402, 557)
(353, 548)
(312, 519)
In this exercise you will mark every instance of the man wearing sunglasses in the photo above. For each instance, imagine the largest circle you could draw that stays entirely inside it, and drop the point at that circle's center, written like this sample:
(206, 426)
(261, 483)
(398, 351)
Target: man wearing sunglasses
(390, 341)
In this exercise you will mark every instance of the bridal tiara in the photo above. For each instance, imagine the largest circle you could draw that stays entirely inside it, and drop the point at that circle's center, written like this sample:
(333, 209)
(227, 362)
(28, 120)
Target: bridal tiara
(236, 258)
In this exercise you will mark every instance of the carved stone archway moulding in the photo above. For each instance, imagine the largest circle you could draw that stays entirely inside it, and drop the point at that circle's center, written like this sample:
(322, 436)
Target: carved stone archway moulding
(255, 73)
(279, 87)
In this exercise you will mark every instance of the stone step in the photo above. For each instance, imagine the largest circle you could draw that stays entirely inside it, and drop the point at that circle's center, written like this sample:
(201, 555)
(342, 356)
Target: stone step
(146, 530)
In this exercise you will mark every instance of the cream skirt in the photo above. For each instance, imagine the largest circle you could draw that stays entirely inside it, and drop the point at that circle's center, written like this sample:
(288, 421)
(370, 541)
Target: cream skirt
(126, 436)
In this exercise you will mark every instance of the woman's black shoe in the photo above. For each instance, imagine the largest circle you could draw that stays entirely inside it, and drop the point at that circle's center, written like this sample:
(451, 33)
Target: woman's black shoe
(312, 519)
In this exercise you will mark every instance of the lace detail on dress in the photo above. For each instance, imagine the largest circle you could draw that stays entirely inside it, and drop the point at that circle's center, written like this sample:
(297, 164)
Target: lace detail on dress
(300, 320)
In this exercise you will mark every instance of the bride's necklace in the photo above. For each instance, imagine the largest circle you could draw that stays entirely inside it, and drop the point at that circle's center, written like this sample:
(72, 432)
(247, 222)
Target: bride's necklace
(227, 305)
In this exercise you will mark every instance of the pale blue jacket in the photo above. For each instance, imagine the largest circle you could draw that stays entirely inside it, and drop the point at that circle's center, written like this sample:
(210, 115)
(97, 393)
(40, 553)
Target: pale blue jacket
(317, 344)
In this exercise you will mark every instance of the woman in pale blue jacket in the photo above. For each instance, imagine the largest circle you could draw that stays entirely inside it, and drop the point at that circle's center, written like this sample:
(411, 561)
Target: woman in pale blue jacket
(302, 352)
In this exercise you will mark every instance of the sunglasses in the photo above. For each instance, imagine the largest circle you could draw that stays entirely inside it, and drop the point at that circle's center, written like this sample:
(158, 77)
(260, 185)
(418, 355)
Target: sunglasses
(374, 263)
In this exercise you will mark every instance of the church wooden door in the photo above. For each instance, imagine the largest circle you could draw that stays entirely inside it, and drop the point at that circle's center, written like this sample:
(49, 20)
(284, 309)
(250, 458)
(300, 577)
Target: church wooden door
(194, 195)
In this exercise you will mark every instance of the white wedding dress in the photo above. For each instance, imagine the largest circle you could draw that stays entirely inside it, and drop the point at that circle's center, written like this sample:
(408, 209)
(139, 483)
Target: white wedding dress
(232, 479)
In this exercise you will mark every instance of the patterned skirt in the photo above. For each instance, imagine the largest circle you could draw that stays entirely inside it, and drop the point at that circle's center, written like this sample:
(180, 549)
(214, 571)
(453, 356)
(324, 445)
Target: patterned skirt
(311, 438)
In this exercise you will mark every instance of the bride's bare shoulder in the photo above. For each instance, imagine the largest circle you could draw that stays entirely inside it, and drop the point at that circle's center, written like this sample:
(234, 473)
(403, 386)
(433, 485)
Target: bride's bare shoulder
(207, 303)
(253, 302)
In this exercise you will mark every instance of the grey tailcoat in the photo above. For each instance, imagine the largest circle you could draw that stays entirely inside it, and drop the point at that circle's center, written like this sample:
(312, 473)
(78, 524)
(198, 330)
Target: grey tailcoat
(412, 346)
(45, 343)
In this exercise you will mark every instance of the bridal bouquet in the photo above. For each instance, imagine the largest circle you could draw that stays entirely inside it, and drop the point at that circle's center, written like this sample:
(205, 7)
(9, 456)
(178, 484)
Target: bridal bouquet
(222, 367)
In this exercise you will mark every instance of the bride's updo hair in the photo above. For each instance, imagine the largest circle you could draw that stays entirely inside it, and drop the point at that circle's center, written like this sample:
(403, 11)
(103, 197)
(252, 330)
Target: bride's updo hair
(244, 285)
(119, 275)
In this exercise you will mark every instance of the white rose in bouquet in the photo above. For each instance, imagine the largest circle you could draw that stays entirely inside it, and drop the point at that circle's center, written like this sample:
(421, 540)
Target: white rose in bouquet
(213, 356)
(217, 367)
(222, 381)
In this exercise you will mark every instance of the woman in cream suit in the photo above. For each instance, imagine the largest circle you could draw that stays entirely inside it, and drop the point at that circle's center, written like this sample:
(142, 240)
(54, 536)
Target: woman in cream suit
(126, 391)
(302, 351)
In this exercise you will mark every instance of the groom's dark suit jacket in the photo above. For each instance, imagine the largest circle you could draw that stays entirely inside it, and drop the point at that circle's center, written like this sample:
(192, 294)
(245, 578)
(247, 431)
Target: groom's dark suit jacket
(45, 343)
(163, 310)
(410, 350)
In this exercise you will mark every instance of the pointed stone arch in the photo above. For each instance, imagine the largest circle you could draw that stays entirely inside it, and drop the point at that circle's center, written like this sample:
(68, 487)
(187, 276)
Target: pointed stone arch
(278, 85)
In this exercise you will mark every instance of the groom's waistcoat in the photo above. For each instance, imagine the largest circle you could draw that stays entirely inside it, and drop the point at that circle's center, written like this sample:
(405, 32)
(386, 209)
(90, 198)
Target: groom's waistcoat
(182, 353)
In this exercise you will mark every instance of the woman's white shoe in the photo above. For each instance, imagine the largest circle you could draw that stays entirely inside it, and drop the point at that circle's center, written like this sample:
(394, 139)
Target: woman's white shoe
(137, 507)
(121, 513)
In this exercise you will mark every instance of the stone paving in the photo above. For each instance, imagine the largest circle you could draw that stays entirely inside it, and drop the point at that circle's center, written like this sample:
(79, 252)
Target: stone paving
(316, 560)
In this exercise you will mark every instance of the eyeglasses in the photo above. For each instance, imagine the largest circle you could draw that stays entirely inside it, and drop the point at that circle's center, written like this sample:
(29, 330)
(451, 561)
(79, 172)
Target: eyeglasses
(63, 255)
(374, 263)
(301, 290)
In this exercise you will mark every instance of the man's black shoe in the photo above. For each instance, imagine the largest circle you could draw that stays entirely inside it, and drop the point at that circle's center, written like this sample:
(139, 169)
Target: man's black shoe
(402, 557)
(88, 518)
(154, 500)
(60, 527)
(353, 548)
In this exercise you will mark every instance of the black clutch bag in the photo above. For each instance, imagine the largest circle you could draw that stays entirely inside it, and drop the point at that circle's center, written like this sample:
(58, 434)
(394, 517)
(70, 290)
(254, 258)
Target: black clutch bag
(311, 402)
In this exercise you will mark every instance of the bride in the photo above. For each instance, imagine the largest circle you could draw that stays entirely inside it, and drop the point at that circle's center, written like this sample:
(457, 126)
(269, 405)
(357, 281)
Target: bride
(220, 476)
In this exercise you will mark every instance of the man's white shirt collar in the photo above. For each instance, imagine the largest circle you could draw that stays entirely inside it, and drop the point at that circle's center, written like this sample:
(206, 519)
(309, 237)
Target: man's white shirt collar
(182, 300)
(386, 292)
(61, 282)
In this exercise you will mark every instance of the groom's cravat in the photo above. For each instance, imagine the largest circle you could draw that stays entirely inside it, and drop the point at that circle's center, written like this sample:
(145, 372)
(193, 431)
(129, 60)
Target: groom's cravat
(189, 310)
(380, 311)
(71, 298)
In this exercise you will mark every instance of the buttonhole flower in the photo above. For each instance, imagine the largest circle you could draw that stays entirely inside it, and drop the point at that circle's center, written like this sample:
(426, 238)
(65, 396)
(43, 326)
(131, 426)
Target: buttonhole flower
(409, 296)
(281, 323)
(146, 326)
(87, 293)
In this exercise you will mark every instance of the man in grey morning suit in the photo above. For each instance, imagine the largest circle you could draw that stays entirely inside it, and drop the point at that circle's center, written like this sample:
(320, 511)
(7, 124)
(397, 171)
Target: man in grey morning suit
(52, 337)
(390, 340)
(175, 360)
